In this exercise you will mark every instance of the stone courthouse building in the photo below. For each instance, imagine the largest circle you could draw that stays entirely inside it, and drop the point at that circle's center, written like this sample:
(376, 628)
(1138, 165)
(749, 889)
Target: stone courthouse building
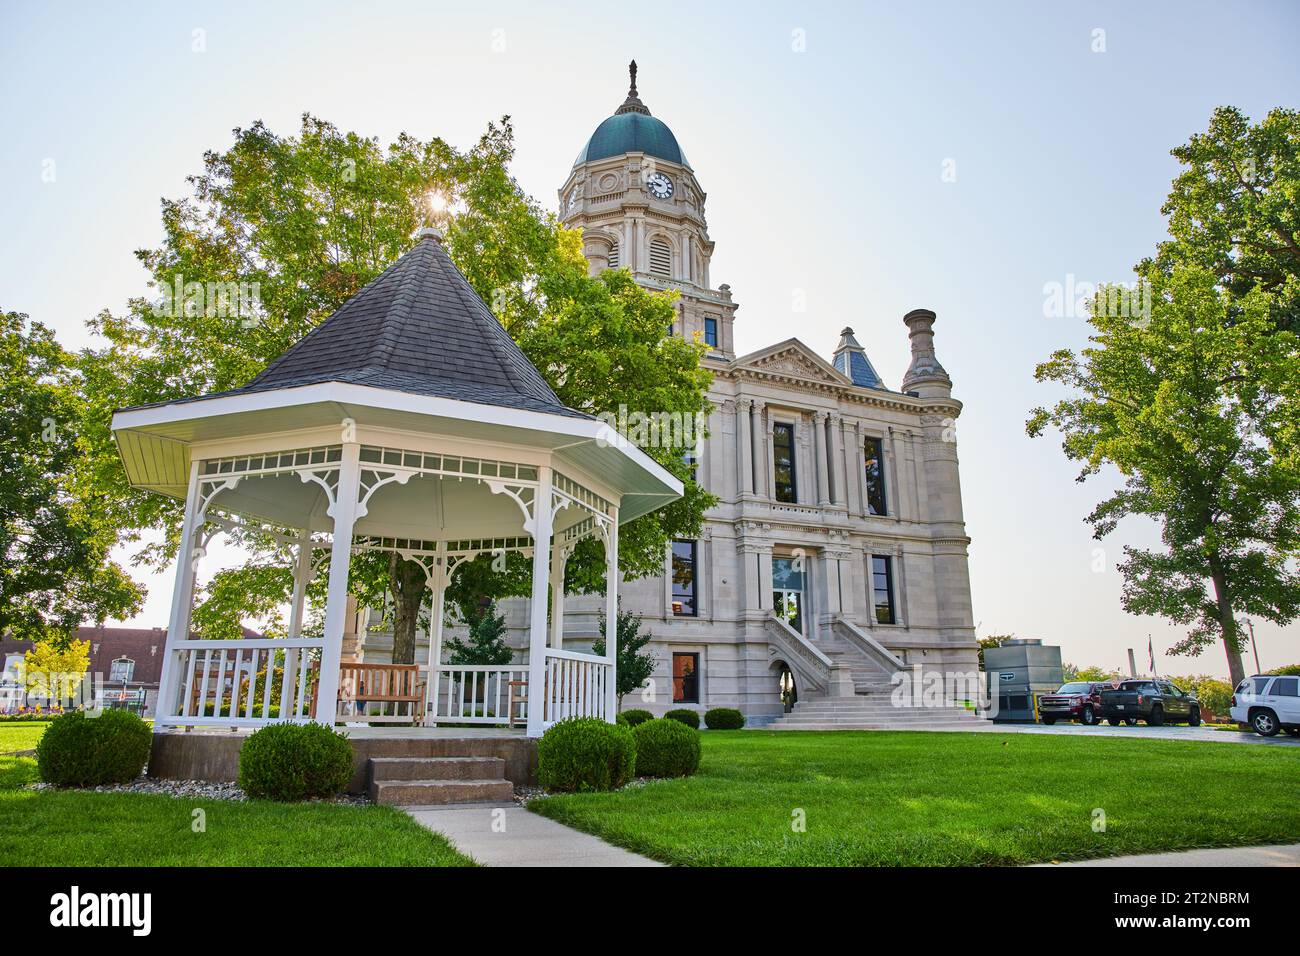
(837, 552)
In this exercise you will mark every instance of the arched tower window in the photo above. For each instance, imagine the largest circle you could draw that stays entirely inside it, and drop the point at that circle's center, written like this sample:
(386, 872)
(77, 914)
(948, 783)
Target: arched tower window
(613, 255)
(661, 258)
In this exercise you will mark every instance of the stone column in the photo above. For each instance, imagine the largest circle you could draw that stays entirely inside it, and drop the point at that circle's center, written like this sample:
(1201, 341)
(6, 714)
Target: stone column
(805, 464)
(844, 568)
(759, 455)
(893, 490)
(727, 451)
(852, 467)
(837, 461)
(819, 456)
(749, 578)
(745, 480)
(764, 553)
(859, 440)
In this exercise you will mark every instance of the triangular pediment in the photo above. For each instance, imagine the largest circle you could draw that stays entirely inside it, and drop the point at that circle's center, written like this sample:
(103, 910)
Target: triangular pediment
(790, 359)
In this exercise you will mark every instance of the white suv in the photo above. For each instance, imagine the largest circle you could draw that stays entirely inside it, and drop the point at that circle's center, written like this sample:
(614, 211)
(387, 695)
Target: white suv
(1268, 704)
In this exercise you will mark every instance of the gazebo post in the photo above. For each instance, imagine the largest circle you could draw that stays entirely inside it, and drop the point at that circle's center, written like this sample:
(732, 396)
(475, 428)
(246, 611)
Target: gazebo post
(557, 596)
(336, 604)
(301, 578)
(178, 626)
(611, 617)
(541, 532)
(437, 611)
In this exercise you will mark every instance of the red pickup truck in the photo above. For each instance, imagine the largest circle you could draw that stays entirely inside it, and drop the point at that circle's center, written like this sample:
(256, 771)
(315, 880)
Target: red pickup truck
(1078, 700)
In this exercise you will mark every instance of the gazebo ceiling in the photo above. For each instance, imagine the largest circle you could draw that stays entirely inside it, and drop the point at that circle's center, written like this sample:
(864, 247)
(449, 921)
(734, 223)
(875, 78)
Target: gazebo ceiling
(416, 353)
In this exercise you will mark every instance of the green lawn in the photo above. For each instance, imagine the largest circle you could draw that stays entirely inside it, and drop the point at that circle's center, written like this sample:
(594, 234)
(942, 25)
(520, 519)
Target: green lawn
(69, 828)
(20, 734)
(914, 799)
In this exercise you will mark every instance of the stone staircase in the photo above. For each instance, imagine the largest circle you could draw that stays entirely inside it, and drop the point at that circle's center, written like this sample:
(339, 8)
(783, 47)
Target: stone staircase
(870, 707)
(873, 711)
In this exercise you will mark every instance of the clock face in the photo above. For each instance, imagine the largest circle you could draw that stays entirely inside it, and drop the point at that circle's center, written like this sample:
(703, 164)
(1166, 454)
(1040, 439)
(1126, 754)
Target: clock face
(573, 199)
(660, 186)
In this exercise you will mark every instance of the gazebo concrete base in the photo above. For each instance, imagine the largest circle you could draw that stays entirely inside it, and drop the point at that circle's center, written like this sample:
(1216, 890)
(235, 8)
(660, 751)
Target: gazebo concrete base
(213, 755)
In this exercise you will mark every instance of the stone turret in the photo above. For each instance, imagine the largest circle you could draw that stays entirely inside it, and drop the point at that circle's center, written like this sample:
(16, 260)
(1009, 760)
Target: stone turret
(925, 376)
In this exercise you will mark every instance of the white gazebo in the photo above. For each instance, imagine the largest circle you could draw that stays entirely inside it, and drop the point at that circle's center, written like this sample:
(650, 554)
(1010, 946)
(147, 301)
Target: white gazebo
(408, 421)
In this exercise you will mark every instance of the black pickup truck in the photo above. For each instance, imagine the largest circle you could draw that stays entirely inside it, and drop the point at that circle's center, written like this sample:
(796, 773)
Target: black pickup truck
(1155, 701)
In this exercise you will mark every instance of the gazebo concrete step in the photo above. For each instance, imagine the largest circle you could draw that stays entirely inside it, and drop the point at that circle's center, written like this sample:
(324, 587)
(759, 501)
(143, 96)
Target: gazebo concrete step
(418, 793)
(437, 768)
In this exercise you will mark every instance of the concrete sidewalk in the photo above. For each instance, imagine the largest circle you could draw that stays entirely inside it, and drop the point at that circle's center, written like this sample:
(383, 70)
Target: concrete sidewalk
(511, 836)
(1286, 855)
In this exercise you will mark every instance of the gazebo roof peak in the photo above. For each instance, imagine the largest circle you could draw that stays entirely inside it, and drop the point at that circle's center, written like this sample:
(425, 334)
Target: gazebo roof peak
(418, 327)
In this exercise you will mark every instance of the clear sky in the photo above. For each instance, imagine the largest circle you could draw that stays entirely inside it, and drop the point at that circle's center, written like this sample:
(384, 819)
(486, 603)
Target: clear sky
(822, 133)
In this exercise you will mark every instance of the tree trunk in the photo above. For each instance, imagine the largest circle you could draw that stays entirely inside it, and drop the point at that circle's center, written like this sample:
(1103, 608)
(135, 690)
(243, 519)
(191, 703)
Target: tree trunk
(1227, 623)
(409, 584)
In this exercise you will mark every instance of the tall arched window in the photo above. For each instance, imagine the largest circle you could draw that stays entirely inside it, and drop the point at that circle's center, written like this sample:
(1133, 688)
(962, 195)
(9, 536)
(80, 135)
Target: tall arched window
(661, 258)
(613, 255)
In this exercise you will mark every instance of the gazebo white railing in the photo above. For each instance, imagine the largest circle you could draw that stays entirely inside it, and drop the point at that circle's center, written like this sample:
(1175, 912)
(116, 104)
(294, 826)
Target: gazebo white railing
(232, 683)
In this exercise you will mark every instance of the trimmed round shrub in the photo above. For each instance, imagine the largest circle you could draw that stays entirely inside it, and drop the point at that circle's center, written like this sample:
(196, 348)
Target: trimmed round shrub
(724, 718)
(636, 716)
(688, 717)
(621, 720)
(295, 762)
(584, 754)
(666, 748)
(77, 750)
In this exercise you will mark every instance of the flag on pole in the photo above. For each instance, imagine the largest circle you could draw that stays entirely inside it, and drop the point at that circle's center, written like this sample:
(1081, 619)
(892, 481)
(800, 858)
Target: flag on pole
(1151, 654)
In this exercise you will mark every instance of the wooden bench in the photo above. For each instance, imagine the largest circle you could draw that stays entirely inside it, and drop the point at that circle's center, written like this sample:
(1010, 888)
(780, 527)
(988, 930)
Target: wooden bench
(387, 685)
(518, 695)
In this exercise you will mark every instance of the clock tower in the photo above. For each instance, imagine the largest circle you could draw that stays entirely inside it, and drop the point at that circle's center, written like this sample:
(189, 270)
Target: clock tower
(636, 199)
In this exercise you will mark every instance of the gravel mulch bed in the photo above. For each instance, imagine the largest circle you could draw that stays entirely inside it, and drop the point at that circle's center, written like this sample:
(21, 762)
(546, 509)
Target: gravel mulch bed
(523, 795)
(191, 790)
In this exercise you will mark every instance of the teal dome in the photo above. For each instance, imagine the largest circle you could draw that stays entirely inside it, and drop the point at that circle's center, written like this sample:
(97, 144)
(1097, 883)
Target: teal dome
(632, 130)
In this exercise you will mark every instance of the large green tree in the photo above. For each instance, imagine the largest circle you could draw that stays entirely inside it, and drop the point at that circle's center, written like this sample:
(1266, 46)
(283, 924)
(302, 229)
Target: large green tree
(1197, 402)
(310, 219)
(55, 569)
(1178, 404)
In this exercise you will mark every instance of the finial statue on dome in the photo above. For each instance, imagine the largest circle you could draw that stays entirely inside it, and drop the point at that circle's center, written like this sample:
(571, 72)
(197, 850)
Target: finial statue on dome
(633, 102)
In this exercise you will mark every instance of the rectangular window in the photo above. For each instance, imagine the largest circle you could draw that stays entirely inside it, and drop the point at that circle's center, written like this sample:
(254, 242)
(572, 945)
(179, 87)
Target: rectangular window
(783, 454)
(686, 678)
(874, 463)
(882, 588)
(684, 604)
(1286, 687)
(788, 590)
(711, 331)
(692, 461)
(121, 670)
